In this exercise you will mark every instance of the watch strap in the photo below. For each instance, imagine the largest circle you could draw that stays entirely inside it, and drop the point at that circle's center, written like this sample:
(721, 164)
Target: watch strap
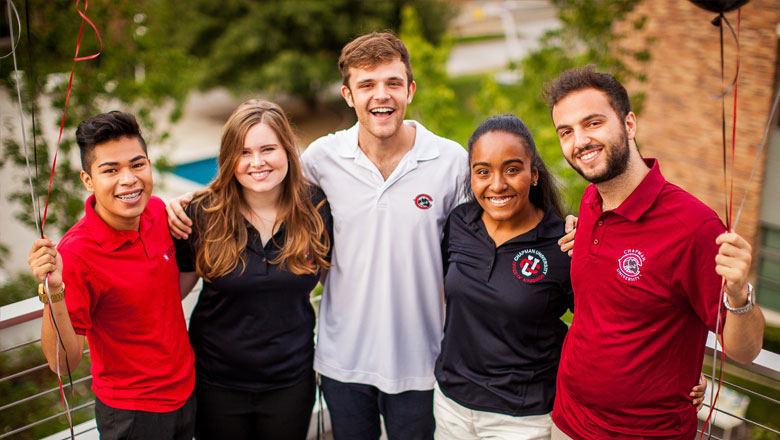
(751, 301)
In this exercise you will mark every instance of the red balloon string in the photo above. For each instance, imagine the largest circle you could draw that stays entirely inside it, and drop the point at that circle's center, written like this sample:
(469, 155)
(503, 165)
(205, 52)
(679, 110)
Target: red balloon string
(734, 131)
(76, 58)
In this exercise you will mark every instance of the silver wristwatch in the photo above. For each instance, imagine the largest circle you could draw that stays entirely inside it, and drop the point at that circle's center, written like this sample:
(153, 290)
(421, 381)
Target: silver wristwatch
(751, 301)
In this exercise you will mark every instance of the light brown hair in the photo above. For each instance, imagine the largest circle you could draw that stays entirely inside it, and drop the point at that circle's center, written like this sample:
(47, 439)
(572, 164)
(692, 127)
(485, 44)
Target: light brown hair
(371, 50)
(222, 236)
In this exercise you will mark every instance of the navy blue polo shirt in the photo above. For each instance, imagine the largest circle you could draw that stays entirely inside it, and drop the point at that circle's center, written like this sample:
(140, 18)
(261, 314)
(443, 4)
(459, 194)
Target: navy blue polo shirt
(253, 330)
(503, 334)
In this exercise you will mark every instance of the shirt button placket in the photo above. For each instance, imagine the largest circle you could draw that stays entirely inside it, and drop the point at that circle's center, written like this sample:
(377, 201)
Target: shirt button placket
(598, 233)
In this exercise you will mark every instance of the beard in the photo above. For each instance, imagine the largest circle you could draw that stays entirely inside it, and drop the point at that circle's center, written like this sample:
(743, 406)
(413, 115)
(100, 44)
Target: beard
(617, 152)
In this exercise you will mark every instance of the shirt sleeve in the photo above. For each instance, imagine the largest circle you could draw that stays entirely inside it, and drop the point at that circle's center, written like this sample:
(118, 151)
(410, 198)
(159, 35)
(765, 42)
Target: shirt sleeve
(82, 292)
(309, 170)
(185, 249)
(445, 245)
(700, 281)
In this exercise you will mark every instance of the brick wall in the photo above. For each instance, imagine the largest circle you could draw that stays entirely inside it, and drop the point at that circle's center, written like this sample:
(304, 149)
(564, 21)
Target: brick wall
(680, 123)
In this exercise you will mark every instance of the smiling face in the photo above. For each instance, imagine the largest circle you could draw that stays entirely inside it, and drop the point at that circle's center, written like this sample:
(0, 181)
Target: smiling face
(501, 177)
(263, 165)
(121, 179)
(593, 139)
(379, 95)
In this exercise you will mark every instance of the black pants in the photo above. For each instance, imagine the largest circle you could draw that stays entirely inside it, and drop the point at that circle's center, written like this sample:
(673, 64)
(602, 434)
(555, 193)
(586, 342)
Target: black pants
(122, 424)
(355, 409)
(281, 414)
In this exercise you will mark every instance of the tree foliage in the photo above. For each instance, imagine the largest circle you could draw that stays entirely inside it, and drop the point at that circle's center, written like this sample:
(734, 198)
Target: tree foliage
(155, 52)
(137, 71)
(286, 46)
(585, 37)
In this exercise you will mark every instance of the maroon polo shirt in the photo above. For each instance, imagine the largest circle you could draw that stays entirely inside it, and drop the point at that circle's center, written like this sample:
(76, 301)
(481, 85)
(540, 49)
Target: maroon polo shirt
(646, 293)
(123, 294)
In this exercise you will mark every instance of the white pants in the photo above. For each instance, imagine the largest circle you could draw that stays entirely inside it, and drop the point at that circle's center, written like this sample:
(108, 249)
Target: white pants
(456, 422)
(557, 434)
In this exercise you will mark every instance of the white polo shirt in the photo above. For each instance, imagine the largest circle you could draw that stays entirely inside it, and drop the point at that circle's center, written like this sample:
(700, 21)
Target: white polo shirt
(382, 310)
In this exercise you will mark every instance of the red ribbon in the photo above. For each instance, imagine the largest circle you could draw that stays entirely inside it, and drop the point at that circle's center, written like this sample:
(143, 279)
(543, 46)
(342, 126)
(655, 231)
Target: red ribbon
(76, 58)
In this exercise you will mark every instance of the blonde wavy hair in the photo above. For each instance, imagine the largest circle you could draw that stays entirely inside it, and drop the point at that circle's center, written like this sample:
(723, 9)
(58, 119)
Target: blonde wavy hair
(222, 236)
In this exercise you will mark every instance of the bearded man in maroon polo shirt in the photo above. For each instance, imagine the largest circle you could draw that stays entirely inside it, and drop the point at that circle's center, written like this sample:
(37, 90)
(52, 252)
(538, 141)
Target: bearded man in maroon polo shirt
(123, 293)
(648, 263)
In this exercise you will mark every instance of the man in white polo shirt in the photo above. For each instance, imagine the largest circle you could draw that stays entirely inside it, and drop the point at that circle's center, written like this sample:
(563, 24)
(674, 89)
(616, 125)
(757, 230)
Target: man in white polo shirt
(390, 184)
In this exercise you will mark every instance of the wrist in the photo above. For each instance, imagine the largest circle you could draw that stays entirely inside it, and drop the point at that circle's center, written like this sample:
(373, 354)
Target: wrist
(54, 296)
(743, 306)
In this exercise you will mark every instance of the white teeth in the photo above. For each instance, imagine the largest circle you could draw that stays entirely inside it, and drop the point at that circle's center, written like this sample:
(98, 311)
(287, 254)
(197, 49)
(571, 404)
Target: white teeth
(499, 201)
(382, 110)
(259, 173)
(589, 155)
(130, 196)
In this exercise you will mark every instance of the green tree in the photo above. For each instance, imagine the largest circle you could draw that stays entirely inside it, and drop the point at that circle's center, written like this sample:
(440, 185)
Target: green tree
(286, 46)
(585, 37)
(137, 71)
(434, 103)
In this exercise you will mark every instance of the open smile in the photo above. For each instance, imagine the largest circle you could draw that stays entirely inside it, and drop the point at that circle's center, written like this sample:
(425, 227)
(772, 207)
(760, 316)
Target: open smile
(259, 175)
(382, 112)
(130, 197)
(589, 155)
(500, 200)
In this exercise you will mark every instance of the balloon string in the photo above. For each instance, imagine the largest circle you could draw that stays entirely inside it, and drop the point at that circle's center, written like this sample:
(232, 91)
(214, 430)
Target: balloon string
(728, 185)
(723, 123)
(18, 81)
(734, 129)
(14, 44)
(76, 59)
(33, 95)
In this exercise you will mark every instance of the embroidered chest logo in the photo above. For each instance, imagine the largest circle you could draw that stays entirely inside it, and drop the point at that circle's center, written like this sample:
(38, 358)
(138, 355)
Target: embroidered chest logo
(423, 201)
(529, 265)
(630, 264)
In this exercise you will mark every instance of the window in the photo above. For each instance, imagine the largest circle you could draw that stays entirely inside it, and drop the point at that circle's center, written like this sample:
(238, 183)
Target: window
(768, 287)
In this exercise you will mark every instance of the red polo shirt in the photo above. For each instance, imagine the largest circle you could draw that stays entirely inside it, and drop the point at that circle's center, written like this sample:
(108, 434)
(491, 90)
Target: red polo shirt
(123, 294)
(646, 292)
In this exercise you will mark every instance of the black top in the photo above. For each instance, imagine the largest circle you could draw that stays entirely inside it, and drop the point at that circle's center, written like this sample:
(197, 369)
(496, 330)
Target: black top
(254, 330)
(503, 334)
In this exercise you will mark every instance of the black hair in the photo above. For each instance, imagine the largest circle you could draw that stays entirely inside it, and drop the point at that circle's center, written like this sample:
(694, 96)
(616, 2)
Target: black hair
(103, 128)
(545, 195)
(580, 78)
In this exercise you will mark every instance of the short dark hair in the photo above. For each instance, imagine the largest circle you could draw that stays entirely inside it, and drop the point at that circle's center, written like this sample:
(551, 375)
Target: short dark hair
(580, 78)
(545, 194)
(371, 50)
(103, 128)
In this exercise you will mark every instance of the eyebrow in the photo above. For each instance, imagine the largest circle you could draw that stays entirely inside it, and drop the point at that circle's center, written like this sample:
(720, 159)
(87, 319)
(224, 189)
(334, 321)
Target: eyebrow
(586, 118)
(249, 147)
(506, 162)
(392, 78)
(113, 164)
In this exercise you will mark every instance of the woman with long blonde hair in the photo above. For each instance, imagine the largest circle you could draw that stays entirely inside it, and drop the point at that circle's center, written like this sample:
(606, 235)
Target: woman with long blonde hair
(259, 240)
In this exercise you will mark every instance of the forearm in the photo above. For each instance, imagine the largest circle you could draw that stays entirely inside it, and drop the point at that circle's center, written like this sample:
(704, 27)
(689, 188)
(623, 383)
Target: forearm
(743, 335)
(73, 343)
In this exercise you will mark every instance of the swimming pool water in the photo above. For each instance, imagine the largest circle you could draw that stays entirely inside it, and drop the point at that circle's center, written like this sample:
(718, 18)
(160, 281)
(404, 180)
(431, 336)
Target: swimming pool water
(201, 171)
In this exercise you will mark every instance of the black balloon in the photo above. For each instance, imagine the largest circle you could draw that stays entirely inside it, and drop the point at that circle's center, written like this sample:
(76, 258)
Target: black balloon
(719, 5)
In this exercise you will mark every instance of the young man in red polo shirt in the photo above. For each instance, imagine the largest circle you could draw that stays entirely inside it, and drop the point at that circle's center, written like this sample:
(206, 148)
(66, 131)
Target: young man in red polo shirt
(648, 264)
(118, 263)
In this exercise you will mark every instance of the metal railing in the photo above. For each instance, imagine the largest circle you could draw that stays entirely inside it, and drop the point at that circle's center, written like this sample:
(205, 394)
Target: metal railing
(20, 328)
